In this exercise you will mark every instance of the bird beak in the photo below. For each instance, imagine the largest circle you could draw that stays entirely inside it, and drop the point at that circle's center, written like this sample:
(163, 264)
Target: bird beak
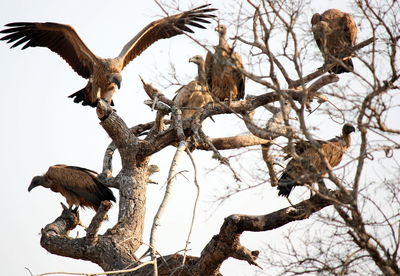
(191, 60)
(33, 185)
(216, 29)
(117, 79)
(353, 129)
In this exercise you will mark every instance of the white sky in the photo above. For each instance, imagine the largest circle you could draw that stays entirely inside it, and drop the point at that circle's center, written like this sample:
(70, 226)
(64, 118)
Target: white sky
(40, 127)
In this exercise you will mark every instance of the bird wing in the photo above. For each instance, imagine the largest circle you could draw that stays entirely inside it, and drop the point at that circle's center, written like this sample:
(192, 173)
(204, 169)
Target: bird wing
(238, 75)
(350, 29)
(198, 98)
(164, 28)
(183, 94)
(300, 147)
(208, 65)
(81, 182)
(96, 186)
(59, 38)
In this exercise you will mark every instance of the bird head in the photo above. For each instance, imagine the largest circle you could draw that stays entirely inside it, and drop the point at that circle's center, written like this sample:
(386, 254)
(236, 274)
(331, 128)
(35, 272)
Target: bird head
(221, 29)
(347, 129)
(196, 59)
(115, 78)
(36, 181)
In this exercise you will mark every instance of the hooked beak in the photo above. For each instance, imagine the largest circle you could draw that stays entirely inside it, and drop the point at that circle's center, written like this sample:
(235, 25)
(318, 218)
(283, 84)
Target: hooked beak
(191, 60)
(216, 29)
(117, 79)
(33, 185)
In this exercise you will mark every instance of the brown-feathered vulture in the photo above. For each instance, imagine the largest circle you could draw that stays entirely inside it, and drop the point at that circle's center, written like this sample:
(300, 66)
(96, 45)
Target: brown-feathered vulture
(335, 31)
(309, 168)
(104, 74)
(79, 186)
(195, 94)
(224, 79)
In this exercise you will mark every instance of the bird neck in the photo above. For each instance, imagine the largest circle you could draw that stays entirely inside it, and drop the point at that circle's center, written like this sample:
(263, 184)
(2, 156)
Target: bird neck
(347, 139)
(201, 72)
(222, 41)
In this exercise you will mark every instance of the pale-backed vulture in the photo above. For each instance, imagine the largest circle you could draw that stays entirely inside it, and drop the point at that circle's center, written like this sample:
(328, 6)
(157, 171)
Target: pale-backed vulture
(309, 167)
(335, 32)
(195, 94)
(224, 79)
(79, 186)
(104, 74)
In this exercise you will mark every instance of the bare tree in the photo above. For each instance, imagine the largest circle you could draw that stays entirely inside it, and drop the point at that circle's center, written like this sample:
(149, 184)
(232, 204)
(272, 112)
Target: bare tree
(359, 232)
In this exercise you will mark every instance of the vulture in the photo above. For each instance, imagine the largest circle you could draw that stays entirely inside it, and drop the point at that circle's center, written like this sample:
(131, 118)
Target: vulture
(79, 186)
(335, 32)
(103, 74)
(224, 79)
(309, 167)
(195, 94)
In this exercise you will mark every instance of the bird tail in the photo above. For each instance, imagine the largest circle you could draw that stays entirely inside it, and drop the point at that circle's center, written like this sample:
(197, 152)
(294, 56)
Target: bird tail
(79, 97)
(285, 185)
(339, 69)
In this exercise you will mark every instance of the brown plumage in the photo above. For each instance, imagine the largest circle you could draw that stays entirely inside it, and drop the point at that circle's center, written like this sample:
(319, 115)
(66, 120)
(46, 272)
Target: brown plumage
(79, 186)
(104, 74)
(224, 79)
(195, 94)
(335, 32)
(309, 168)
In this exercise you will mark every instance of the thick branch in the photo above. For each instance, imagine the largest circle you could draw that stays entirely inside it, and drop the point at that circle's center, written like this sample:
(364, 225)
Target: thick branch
(121, 135)
(232, 142)
(227, 244)
(100, 216)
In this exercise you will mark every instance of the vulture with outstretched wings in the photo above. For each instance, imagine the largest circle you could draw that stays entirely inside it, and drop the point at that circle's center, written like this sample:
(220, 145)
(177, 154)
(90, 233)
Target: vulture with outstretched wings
(104, 74)
(224, 79)
(195, 94)
(309, 167)
(335, 32)
(79, 186)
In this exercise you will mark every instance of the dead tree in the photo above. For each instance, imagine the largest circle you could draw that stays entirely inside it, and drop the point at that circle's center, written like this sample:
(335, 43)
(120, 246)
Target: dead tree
(116, 248)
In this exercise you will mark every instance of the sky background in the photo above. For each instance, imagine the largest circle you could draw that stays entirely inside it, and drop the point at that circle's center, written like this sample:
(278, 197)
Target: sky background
(41, 127)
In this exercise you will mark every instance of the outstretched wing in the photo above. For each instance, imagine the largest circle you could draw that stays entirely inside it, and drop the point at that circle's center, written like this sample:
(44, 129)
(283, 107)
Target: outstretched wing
(61, 39)
(165, 28)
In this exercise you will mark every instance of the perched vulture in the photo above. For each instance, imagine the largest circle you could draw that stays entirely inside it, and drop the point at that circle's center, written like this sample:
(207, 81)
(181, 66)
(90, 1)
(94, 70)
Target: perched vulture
(335, 32)
(224, 79)
(104, 74)
(79, 186)
(309, 168)
(195, 94)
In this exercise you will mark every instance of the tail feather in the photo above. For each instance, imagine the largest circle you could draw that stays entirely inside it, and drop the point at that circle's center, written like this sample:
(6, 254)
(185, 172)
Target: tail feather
(285, 185)
(338, 69)
(79, 96)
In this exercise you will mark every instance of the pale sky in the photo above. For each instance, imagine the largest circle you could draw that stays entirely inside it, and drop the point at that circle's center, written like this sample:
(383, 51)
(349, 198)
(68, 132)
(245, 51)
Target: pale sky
(42, 127)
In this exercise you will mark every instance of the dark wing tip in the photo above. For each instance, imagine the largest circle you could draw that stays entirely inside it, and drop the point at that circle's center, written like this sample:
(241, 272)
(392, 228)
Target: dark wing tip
(284, 191)
(18, 24)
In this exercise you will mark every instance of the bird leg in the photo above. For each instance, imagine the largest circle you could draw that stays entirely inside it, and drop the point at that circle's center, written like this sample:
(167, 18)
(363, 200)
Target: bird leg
(291, 204)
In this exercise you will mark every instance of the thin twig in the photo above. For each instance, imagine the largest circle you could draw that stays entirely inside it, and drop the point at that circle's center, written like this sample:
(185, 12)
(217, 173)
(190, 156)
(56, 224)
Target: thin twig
(196, 183)
(168, 191)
